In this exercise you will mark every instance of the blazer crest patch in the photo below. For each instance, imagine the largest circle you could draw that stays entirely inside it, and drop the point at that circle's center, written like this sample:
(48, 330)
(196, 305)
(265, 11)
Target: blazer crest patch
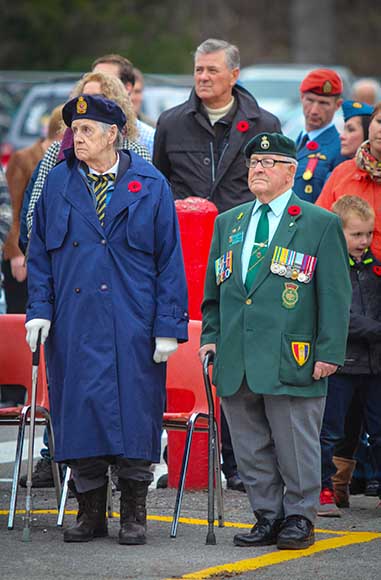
(301, 352)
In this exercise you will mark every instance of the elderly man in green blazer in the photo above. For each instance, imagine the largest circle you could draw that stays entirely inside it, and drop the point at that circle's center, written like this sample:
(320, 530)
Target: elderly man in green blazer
(276, 313)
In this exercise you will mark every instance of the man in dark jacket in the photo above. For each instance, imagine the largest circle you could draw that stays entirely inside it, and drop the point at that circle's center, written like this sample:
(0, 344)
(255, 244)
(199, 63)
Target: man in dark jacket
(361, 372)
(199, 144)
(199, 148)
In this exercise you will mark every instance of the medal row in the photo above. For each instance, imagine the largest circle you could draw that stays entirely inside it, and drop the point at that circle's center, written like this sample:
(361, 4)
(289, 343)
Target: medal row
(292, 264)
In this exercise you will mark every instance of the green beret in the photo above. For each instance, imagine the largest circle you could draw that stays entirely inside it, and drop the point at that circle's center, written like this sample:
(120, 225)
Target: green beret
(270, 143)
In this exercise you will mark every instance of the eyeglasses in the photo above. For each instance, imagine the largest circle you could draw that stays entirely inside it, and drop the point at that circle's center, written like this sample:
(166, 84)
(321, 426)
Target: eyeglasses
(266, 163)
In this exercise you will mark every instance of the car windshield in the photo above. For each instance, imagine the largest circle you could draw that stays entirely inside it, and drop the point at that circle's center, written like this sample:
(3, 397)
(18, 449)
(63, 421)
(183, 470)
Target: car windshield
(35, 121)
(272, 88)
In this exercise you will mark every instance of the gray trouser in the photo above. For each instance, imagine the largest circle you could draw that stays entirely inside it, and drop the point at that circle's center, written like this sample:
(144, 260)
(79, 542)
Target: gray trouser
(277, 447)
(91, 472)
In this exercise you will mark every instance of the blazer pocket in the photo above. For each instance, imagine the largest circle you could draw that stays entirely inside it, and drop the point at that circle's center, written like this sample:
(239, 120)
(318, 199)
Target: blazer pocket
(296, 359)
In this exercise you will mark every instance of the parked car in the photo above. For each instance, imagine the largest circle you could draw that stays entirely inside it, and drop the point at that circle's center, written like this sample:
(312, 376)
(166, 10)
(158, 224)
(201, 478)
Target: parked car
(276, 88)
(31, 117)
(161, 92)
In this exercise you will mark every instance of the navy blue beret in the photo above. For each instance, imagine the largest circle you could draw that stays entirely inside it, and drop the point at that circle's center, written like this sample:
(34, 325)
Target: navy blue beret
(355, 109)
(94, 107)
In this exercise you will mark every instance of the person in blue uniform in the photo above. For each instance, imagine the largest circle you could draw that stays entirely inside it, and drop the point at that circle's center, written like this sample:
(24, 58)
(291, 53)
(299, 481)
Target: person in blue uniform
(107, 290)
(318, 145)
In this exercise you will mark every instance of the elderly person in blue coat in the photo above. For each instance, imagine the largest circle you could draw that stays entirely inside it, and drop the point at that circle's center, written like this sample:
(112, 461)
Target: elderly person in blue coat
(107, 290)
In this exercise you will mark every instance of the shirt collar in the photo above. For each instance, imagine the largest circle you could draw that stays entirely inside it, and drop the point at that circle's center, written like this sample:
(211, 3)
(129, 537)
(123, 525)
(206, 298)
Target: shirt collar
(113, 169)
(316, 132)
(277, 205)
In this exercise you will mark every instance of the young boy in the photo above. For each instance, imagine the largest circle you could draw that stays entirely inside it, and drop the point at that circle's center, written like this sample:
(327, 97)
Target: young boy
(361, 373)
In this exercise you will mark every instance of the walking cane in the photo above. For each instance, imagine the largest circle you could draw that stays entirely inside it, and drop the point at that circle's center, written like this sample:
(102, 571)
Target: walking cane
(32, 421)
(211, 536)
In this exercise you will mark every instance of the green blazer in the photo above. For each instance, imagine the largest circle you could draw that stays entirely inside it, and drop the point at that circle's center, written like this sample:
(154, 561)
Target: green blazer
(257, 333)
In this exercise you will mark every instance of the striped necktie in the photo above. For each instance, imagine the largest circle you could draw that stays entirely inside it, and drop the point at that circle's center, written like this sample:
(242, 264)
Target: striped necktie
(102, 185)
(259, 247)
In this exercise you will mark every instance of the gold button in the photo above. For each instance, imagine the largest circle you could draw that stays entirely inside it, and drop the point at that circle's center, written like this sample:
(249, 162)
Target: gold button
(249, 301)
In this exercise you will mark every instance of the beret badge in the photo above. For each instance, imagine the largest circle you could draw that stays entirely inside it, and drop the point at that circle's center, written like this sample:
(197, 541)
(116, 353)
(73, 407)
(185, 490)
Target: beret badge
(265, 143)
(357, 105)
(327, 87)
(81, 106)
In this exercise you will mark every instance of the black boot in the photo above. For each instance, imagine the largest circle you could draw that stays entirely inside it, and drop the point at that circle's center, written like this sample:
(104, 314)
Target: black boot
(91, 519)
(133, 513)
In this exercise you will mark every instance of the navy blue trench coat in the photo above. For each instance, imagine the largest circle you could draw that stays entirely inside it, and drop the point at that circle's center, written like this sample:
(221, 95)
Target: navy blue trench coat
(108, 292)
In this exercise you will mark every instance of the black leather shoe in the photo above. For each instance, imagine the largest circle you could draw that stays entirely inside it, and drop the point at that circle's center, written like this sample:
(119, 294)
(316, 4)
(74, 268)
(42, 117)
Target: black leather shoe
(263, 533)
(235, 483)
(296, 533)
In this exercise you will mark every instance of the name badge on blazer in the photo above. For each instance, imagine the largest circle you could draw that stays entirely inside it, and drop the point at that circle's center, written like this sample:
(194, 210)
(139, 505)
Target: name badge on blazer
(224, 267)
(235, 238)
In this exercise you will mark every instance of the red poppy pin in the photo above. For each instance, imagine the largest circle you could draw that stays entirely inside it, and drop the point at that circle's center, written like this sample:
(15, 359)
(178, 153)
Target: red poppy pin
(377, 270)
(312, 145)
(294, 210)
(134, 186)
(242, 126)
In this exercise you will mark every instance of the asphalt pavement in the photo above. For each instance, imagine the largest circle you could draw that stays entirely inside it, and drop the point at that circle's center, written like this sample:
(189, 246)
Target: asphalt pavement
(347, 548)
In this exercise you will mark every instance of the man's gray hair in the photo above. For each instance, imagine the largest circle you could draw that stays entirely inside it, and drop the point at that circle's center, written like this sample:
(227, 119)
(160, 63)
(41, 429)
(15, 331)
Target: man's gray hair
(118, 143)
(214, 45)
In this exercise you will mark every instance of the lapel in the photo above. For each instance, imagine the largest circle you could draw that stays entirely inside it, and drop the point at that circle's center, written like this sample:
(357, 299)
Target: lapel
(76, 191)
(322, 140)
(241, 224)
(129, 187)
(283, 236)
(237, 139)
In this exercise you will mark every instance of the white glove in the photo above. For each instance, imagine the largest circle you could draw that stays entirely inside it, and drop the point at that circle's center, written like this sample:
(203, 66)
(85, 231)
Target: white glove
(32, 329)
(164, 348)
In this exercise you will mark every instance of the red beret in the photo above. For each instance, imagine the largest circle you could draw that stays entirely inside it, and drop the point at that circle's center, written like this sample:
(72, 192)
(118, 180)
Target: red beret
(322, 81)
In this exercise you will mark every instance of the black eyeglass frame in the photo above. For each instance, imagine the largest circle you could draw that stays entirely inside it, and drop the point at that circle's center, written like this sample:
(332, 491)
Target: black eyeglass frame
(249, 162)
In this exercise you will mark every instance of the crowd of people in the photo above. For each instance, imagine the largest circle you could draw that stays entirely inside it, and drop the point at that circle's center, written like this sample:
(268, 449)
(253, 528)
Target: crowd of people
(292, 301)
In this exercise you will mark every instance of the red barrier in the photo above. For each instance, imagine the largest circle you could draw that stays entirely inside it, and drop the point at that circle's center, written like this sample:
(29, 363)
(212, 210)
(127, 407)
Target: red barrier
(196, 219)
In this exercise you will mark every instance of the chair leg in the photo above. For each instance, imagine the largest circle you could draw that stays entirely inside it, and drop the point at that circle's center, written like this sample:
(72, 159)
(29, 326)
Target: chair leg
(61, 511)
(110, 507)
(55, 468)
(184, 467)
(17, 467)
(218, 478)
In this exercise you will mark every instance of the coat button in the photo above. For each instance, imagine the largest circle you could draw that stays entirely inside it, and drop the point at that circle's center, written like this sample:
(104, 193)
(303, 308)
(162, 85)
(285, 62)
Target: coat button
(249, 301)
(206, 161)
(77, 290)
(104, 287)
(75, 244)
(103, 242)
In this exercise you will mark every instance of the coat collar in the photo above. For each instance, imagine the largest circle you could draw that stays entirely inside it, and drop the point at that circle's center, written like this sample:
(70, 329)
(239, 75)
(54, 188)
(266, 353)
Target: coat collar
(132, 172)
(324, 139)
(283, 236)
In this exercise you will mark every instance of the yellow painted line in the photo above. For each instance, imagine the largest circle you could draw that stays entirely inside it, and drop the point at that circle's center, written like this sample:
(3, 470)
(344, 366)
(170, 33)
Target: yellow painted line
(280, 556)
(187, 521)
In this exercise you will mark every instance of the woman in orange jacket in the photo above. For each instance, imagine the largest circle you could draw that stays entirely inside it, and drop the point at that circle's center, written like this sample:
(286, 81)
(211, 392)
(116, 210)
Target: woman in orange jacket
(360, 176)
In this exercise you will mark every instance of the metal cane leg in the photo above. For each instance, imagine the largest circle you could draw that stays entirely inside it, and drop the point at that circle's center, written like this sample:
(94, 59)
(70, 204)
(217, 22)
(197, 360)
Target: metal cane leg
(55, 467)
(61, 511)
(184, 467)
(17, 467)
(217, 464)
(110, 507)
